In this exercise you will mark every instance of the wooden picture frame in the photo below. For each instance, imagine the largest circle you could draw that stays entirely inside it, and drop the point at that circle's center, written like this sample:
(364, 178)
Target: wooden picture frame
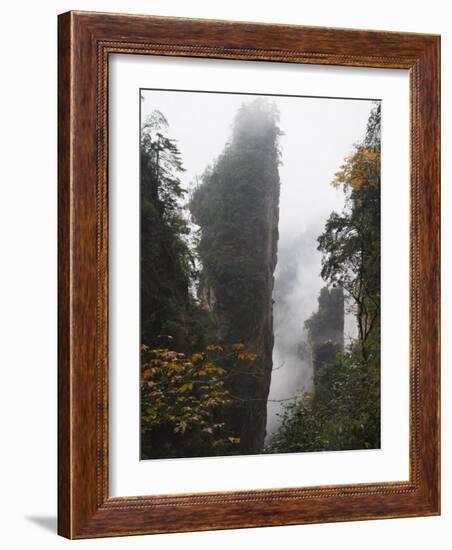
(86, 40)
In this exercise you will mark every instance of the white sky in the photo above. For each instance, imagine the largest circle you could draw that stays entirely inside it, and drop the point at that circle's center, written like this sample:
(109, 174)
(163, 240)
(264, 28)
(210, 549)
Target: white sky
(318, 134)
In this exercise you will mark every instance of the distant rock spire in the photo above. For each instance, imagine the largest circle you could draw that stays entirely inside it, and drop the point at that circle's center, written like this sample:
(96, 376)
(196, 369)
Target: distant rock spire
(326, 336)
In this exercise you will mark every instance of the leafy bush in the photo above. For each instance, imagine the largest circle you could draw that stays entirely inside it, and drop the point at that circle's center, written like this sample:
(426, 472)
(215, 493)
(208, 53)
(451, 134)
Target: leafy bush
(184, 399)
(348, 419)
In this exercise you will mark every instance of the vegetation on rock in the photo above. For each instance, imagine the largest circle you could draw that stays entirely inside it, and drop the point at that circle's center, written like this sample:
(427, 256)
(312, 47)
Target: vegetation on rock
(236, 208)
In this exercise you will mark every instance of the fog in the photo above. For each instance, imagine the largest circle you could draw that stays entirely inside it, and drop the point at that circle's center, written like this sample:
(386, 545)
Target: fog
(318, 134)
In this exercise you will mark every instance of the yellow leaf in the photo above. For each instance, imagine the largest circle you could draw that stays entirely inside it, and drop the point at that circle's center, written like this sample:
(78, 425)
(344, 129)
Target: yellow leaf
(214, 347)
(238, 346)
(181, 427)
(247, 356)
(200, 373)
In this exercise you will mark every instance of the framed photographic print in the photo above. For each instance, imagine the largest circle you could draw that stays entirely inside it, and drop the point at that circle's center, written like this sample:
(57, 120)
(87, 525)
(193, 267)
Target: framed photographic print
(248, 275)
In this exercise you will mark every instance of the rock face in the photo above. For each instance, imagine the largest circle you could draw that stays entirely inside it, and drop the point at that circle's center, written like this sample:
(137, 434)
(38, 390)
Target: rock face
(237, 209)
(326, 337)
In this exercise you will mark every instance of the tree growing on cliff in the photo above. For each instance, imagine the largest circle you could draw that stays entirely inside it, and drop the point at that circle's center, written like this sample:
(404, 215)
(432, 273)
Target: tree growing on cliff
(164, 255)
(173, 325)
(351, 240)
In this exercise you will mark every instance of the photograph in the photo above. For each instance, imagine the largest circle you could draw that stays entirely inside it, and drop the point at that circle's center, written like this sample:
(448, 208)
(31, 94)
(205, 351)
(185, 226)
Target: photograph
(259, 273)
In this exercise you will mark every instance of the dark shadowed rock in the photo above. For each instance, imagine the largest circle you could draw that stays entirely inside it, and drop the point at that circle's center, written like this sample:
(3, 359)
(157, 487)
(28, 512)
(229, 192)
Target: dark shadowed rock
(237, 209)
(326, 336)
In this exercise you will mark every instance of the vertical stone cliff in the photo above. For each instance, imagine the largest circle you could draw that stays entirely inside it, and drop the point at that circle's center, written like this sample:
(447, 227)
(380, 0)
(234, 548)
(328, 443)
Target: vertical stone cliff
(237, 209)
(326, 337)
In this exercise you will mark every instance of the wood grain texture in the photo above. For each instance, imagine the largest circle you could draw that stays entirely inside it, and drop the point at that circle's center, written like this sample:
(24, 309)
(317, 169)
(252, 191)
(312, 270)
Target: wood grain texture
(85, 42)
(64, 294)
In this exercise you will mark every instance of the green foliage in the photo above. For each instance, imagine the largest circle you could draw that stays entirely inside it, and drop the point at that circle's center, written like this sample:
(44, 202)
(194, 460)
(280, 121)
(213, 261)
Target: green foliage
(165, 257)
(347, 418)
(167, 265)
(170, 315)
(351, 240)
(344, 410)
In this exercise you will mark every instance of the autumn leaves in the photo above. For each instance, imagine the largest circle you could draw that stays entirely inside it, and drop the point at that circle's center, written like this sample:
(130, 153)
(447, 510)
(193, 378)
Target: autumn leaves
(186, 393)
